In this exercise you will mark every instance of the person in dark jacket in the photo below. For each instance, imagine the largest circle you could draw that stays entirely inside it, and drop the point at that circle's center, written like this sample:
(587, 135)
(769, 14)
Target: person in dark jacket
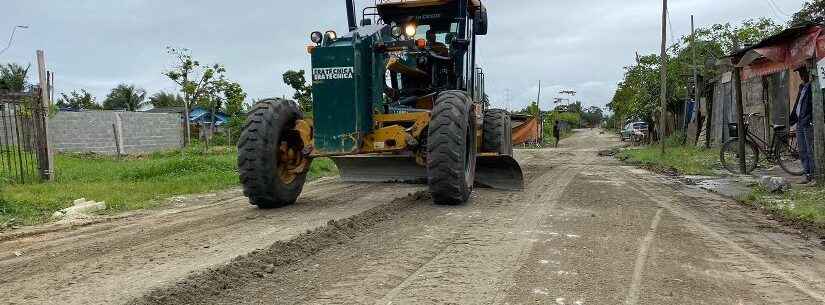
(557, 133)
(802, 117)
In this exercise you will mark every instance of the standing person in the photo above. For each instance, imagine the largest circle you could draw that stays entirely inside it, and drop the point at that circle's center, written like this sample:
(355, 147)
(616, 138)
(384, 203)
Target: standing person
(556, 133)
(802, 117)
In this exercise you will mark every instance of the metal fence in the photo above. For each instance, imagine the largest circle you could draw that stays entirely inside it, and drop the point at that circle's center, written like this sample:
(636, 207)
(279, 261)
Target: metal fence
(20, 123)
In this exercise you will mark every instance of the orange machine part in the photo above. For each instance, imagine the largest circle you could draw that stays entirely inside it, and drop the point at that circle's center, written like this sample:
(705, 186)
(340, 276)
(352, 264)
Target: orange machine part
(526, 132)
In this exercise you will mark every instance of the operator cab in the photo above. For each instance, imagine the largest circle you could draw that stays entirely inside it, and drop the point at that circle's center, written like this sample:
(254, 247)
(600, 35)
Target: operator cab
(433, 46)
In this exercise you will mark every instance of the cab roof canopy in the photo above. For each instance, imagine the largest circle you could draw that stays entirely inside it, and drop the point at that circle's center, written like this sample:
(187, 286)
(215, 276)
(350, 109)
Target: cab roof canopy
(401, 11)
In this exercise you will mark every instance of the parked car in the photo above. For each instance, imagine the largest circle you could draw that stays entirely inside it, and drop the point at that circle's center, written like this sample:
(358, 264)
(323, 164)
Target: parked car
(634, 131)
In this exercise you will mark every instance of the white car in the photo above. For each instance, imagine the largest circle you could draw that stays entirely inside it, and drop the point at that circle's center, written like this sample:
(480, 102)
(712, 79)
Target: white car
(634, 131)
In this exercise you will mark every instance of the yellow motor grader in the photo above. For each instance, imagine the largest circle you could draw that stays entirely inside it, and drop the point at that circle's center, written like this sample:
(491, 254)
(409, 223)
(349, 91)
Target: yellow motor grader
(397, 98)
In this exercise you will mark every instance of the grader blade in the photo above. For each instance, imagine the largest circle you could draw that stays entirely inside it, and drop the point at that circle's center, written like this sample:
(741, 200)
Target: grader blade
(492, 171)
(499, 172)
(381, 168)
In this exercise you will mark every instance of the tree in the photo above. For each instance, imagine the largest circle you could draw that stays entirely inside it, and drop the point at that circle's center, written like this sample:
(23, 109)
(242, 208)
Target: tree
(303, 91)
(532, 109)
(14, 77)
(593, 116)
(637, 95)
(194, 79)
(125, 97)
(166, 100)
(234, 96)
(82, 100)
(811, 12)
(233, 106)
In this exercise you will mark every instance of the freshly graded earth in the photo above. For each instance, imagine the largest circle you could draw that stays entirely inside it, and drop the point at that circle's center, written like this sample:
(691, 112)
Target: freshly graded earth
(586, 230)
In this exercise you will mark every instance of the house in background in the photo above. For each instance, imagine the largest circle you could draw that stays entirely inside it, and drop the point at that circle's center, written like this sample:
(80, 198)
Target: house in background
(200, 116)
(204, 124)
(769, 85)
(200, 120)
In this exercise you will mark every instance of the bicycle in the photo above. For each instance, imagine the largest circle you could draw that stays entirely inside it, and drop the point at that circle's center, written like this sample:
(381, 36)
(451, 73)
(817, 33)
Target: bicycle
(782, 150)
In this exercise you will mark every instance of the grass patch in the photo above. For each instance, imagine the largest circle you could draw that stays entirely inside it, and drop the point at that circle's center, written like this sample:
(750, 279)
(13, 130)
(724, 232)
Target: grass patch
(802, 206)
(134, 182)
(16, 164)
(678, 159)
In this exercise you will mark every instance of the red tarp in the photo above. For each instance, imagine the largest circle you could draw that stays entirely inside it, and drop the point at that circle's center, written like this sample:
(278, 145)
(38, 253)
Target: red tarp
(788, 54)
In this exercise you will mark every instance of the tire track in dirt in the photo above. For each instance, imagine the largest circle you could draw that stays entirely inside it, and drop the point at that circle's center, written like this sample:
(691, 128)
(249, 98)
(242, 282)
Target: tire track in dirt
(786, 280)
(639, 266)
(482, 258)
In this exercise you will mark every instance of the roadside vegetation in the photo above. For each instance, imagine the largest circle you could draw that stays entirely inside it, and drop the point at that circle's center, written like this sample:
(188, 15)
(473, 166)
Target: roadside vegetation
(637, 98)
(134, 182)
(801, 206)
(679, 159)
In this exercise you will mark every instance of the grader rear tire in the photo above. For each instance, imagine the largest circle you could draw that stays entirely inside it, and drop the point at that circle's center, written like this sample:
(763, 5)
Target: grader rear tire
(498, 132)
(451, 153)
(267, 126)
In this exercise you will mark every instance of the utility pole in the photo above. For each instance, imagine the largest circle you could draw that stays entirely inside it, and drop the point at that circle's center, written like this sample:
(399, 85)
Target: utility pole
(740, 115)
(538, 116)
(663, 96)
(817, 69)
(507, 98)
(696, 89)
(45, 155)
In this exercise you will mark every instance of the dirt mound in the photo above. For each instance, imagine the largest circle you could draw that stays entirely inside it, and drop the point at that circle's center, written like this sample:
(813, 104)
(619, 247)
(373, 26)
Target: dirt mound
(273, 260)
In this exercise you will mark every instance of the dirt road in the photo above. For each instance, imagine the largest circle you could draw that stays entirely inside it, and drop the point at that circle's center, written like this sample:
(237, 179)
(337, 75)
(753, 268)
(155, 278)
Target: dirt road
(587, 230)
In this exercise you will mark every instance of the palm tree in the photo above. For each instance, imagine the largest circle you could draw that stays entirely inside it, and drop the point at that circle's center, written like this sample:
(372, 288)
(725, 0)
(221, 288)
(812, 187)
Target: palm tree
(166, 100)
(13, 77)
(125, 97)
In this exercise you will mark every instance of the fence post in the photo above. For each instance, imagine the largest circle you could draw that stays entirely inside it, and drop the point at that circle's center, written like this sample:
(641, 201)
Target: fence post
(117, 140)
(45, 155)
(818, 71)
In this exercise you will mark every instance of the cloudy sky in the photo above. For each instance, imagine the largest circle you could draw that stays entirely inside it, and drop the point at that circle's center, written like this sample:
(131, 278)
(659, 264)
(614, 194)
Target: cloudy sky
(580, 45)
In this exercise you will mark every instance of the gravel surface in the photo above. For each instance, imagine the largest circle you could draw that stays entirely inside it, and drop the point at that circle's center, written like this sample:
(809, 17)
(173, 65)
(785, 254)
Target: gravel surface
(587, 230)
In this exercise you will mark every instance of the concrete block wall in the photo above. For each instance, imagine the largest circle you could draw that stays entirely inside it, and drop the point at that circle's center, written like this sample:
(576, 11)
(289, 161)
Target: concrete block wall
(95, 131)
(150, 132)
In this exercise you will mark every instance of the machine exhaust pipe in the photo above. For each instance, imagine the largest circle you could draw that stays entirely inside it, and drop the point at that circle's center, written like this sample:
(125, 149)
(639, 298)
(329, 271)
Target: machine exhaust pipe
(351, 15)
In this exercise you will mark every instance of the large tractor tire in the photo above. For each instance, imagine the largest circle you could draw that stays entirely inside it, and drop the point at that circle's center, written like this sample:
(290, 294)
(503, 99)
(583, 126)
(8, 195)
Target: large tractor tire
(265, 181)
(451, 149)
(498, 132)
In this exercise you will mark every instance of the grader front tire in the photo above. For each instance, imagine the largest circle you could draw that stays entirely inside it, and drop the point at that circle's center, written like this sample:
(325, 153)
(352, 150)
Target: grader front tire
(451, 154)
(265, 181)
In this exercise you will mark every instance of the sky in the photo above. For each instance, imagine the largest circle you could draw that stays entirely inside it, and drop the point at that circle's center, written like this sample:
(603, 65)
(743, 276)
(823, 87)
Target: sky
(578, 45)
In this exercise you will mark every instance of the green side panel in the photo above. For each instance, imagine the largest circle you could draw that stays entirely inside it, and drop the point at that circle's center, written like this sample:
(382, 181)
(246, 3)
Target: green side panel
(342, 103)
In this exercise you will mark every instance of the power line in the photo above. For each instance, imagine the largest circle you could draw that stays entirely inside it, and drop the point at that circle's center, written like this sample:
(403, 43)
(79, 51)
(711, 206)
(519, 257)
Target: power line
(11, 38)
(670, 25)
(779, 9)
(775, 9)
